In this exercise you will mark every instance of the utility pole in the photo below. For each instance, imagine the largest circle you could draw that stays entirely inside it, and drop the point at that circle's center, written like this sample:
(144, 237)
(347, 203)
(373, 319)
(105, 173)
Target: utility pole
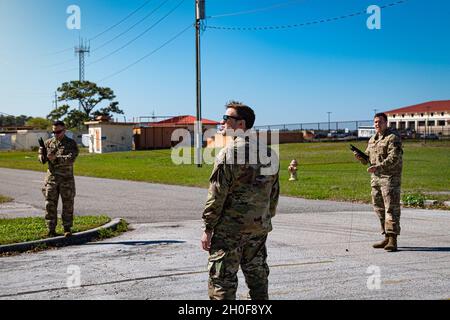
(375, 111)
(199, 15)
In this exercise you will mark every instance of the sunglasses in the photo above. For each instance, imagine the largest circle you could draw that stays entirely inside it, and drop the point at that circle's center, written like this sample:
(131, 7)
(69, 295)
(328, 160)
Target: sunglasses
(226, 117)
(58, 132)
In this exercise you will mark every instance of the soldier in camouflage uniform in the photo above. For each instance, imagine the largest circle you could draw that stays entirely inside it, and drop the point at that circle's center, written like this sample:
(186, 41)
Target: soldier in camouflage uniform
(237, 215)
(61, 154)
(385, 154)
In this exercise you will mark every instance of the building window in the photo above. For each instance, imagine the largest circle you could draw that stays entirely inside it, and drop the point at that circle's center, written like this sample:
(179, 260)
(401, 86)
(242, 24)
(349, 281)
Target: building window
(393, 116)
(441, 123)
(412, 115)
(403, 115)
(432, 114)
(431, 123)
(393, 125)
(421, 124)
(442, 114)
(421, 114)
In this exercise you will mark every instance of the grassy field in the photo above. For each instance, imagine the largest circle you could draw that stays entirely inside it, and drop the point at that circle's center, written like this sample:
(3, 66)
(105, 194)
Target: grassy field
(29, 229)
(326, 170)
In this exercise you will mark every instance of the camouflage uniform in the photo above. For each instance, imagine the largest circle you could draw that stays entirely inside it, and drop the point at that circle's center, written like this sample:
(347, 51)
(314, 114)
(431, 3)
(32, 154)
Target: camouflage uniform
(385, 153)
(60, 181)
(241, 202)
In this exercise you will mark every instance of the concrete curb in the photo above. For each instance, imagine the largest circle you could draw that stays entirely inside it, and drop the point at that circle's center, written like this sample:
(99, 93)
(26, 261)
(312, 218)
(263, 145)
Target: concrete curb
(61, 241)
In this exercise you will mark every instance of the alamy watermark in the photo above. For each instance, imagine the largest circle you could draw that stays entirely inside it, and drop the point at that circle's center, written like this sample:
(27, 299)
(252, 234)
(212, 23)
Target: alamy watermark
(235, 151)
(74, 278)
(374, 20)
(374, 280)
(73, 22)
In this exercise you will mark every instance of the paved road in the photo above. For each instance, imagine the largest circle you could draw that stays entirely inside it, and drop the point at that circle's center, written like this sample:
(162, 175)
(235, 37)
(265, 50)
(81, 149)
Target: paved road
(139, 202)
(162, 260)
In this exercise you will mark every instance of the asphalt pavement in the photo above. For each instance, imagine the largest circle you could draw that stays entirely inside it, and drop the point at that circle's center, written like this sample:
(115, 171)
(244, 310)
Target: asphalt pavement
(318, 249)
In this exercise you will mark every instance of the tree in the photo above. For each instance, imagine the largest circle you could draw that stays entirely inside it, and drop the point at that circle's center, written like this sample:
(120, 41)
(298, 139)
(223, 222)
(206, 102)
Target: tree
(39, 123)
(13, 121)
(89, 96)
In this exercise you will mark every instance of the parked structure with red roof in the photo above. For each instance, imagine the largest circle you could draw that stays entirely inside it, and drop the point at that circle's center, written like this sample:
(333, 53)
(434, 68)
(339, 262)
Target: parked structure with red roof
(182, 121)
(428, 118)
(158, 135)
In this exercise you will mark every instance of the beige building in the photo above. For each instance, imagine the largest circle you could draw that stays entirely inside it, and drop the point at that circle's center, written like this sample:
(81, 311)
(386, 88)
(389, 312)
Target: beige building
(22, 139)
(106, 136)
(428, 118)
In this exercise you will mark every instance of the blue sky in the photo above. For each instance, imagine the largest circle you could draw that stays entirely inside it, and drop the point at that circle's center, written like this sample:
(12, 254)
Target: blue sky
(288, 76)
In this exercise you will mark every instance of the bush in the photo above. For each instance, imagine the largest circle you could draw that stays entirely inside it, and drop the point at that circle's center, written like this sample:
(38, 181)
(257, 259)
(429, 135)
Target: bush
(414, 200)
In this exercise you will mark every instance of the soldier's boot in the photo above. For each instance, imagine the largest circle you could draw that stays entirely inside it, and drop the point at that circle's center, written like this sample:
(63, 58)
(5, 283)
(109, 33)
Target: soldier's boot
(392, 244)
(382, 244)
(67, 232)
(51, 233)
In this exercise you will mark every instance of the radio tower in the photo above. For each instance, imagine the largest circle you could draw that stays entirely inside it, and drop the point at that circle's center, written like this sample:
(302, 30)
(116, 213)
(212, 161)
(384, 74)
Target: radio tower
(80, 51)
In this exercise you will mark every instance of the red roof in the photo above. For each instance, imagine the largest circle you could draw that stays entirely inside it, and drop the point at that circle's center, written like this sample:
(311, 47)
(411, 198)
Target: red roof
(183, 120)
(432, 106)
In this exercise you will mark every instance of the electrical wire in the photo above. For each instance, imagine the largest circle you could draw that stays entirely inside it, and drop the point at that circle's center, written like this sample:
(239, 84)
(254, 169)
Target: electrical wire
(130, 28)
(120, 22)
(149, 54)
(108, 29)
(131, 41)
(276, 6)
(298, 25)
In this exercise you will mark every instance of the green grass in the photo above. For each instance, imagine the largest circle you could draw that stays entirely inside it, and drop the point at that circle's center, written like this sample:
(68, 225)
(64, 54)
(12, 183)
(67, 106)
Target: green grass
(326, 170)
(29, 229)
(108, 233)
(4, 199)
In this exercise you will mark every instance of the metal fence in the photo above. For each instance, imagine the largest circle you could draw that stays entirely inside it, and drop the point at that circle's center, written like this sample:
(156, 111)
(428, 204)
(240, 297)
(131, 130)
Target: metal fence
(319, 126)
(342, 129)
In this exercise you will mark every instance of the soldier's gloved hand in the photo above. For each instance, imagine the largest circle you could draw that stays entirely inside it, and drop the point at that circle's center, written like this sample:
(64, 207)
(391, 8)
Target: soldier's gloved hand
(372, 169)
(357, 156)
(41, 151)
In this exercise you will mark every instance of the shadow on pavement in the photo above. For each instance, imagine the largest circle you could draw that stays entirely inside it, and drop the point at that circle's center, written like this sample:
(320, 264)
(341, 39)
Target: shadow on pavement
(429, 249)
(136, 243)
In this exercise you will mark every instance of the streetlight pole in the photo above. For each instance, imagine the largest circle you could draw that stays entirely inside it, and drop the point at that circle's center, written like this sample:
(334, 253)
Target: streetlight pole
(329, 128)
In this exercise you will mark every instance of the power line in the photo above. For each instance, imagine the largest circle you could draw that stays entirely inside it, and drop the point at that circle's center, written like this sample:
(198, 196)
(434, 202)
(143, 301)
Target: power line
(141, 34)
(133, 40)
(108, 29)
(276, 6)
(109, 41)
(124, 19)
(61, 63)
(149, 54)
(298, 25)
(132, 27)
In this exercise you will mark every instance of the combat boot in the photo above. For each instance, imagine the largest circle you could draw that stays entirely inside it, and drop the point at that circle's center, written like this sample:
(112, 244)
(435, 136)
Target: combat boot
(67, 232)
(51, 234)
(382, 244)
(392, 244)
